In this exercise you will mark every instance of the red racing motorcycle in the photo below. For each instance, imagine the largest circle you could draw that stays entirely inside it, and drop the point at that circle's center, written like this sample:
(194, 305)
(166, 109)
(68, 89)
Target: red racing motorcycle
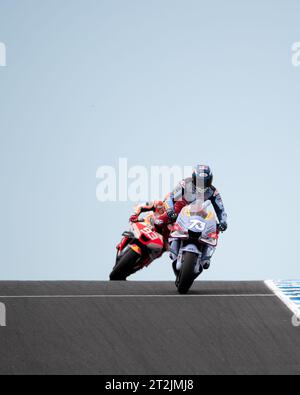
(139, 247)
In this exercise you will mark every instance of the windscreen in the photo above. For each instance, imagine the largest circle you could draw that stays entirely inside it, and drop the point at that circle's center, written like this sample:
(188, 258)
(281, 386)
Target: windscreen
(204, 210)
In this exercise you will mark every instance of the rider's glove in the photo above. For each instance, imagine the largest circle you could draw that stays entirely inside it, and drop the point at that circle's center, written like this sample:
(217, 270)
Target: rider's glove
(134, 218)
(172, 215)
(223, 226)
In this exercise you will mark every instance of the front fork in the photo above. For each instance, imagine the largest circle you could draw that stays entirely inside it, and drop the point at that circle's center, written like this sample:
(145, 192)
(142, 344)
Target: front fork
(177, 255)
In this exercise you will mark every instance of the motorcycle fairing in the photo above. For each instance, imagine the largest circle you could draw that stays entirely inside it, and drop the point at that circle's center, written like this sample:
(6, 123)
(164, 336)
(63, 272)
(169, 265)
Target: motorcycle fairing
(149, 238)
(198, 220)
(147, 235)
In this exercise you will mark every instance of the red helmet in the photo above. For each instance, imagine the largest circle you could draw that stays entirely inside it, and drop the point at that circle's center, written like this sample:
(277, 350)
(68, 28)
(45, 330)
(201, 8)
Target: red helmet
(159, 207)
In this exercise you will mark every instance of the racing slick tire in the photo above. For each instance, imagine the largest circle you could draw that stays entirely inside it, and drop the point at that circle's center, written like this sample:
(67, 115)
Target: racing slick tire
(126, 266)
(187, 275)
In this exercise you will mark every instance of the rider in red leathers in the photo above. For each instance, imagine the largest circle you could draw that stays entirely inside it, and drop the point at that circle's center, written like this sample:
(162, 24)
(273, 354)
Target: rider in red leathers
(162, 219)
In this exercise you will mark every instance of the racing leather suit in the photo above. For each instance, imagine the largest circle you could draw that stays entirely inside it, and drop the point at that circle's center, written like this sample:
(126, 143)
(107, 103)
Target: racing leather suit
(187, 192)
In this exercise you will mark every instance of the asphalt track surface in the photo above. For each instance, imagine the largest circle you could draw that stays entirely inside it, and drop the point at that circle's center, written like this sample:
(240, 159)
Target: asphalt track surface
(137, 328)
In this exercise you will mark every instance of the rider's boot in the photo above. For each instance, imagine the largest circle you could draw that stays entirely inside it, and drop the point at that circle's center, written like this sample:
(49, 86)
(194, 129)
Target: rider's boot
(174, 250)
(206, 257)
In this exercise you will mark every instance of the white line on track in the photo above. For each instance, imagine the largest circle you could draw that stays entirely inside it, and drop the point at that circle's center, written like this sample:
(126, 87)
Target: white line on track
(133, 296)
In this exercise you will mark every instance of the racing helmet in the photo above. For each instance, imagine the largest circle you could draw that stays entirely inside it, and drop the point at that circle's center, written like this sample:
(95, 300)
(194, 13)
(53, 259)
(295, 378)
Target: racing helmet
(202, 177)
(159, 207)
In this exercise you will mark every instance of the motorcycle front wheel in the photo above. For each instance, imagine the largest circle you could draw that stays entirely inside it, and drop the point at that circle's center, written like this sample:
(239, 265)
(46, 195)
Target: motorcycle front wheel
(126, 266)
(187, 275)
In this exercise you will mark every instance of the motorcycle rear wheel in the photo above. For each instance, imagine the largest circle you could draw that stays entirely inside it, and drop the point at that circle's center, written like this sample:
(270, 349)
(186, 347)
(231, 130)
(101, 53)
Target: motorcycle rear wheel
(187, 274)
(125, 266)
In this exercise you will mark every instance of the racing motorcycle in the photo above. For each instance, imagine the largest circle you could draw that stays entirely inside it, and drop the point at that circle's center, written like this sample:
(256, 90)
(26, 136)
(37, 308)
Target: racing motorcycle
(195, 230)
(140, 246)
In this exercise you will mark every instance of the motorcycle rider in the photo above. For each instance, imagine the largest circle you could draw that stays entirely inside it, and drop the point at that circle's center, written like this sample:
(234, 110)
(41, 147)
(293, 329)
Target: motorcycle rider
(162, 219)
(156, 206)
(198, 187)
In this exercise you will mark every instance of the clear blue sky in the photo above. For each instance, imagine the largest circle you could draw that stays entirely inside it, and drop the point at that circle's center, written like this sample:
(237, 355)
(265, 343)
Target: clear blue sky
(159, 82)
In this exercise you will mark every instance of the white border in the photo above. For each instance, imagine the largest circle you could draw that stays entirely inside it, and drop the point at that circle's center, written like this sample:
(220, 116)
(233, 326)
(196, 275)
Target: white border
(285, 299)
